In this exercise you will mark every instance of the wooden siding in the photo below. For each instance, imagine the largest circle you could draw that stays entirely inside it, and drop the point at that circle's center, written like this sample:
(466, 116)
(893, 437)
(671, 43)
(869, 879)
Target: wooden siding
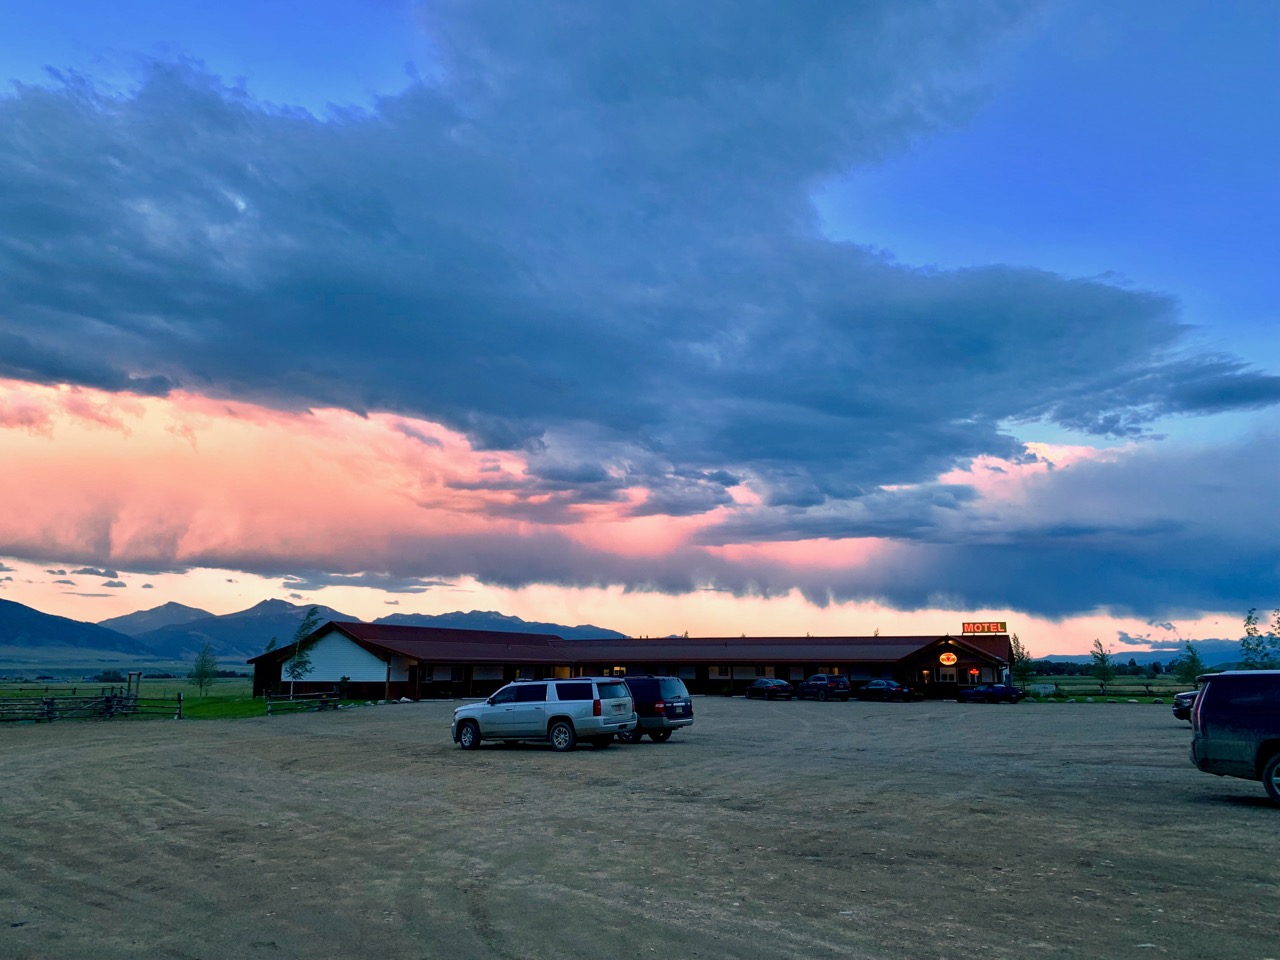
(333, 657)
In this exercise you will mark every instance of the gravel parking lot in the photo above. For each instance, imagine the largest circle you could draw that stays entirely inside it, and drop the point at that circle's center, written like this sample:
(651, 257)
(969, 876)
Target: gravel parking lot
(784, 829)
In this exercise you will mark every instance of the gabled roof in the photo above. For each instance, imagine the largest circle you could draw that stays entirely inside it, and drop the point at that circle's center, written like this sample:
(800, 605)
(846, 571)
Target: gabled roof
(438, 643)
(448, 644)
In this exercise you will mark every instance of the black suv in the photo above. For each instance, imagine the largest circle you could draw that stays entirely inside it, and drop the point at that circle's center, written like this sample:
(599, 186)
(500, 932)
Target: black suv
(824, 686)
(662, 705)
(1235, 723)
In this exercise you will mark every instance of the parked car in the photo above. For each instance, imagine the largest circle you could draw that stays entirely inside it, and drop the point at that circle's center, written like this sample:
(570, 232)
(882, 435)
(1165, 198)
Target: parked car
(1182, 703)
(886, 690)
(1235, 723)
(767, 688)
(559, 712)
(990, 693)
(662, 705)
(824, 686)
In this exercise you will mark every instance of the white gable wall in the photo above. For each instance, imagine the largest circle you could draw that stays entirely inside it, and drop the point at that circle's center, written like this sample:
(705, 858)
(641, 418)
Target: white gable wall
(334, 656)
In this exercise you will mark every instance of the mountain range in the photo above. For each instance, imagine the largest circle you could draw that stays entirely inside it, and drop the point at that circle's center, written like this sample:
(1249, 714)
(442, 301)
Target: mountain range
(174, 632)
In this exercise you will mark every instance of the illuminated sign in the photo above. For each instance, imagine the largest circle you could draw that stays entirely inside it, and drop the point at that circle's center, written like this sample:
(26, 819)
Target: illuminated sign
(948, 659)
(999, 627)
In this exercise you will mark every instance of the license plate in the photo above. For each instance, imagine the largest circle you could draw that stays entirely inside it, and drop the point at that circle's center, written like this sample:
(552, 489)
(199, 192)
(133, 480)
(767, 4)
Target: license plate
(619, 707)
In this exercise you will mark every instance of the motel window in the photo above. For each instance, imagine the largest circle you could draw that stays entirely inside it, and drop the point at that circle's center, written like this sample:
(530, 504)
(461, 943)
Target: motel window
(719, 672)
(760, 672)
(688, 673)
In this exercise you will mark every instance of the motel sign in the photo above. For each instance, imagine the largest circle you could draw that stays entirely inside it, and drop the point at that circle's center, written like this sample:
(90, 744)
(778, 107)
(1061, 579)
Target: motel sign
(996, 627)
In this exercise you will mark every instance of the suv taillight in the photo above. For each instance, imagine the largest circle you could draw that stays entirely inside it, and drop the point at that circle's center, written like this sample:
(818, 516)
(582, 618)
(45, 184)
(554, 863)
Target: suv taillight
(660, 705)
(595, 708)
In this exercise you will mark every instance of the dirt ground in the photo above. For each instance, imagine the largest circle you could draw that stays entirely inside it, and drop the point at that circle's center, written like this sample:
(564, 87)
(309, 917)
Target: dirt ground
(777, 830)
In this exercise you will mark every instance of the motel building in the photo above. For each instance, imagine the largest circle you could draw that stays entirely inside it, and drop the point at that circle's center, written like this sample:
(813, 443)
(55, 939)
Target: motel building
(390, 662)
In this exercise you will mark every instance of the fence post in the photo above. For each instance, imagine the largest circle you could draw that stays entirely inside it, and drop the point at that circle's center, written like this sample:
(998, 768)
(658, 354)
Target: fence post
(179, 716)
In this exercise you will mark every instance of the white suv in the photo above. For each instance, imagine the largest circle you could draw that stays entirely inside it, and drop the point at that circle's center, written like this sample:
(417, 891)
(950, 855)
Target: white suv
(560, 712)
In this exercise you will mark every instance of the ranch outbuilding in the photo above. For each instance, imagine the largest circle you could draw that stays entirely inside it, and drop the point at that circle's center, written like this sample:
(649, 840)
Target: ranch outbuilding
(386, 661)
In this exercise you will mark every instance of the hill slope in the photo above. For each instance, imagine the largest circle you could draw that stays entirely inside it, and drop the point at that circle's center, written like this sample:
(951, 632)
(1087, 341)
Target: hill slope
(26, 627)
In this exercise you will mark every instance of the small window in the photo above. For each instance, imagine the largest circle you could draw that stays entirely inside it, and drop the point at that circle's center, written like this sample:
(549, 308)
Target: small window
(505, 695)
(531, 693)
(573, 691)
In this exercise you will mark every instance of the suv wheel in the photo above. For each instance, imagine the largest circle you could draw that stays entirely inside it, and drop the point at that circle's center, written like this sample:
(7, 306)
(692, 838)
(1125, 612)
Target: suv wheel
(1271, 777)
(468, 735)
(659, 736)
(631, 736)
(562, 736)
(822, 696)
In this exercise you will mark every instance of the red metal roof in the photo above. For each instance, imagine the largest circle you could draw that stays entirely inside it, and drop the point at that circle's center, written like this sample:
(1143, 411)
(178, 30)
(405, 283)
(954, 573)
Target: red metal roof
(445, 645)
(749, 649)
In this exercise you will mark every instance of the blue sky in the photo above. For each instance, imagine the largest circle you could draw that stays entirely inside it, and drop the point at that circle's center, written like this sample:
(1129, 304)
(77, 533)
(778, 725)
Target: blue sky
(923, 306)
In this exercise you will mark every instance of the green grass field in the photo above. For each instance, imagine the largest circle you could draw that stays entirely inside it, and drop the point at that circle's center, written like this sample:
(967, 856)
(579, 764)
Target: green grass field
(1122, 688)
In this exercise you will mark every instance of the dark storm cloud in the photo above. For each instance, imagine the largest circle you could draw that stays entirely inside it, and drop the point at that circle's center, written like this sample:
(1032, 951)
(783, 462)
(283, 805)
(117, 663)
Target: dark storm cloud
(117, 584)
(97, 572)
(579, 224)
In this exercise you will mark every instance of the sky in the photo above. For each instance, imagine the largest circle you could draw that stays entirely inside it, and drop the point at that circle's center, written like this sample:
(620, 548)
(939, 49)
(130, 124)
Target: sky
(727, 318)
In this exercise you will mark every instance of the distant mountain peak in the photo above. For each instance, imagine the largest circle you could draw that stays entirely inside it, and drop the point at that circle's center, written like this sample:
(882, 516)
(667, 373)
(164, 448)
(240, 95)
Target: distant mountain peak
(166, 615)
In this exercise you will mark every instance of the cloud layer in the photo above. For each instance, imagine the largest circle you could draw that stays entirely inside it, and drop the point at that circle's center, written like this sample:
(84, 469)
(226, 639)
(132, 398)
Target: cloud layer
(586, 250)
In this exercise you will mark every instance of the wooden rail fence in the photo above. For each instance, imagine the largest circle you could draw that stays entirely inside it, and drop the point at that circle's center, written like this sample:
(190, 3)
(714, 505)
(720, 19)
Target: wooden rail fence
(105, 706)
(302, 702)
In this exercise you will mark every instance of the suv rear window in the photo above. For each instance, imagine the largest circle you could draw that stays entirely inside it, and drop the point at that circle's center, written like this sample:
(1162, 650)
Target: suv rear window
(614, 690)
(573, 691)
(671, 688)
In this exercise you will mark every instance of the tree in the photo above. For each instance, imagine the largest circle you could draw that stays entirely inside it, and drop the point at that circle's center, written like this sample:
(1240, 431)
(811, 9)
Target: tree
(1023, 668)
(1188, 666)
(205, 669)
(1103, 666)
(299, 663)
(271, 645)
(1261, 651)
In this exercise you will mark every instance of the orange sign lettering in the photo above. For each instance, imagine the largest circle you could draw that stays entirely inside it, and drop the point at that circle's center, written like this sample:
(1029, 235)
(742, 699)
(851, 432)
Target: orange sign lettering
(998, 626)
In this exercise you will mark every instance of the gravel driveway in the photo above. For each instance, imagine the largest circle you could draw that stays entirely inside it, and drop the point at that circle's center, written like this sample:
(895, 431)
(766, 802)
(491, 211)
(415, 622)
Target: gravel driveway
(777, 830)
